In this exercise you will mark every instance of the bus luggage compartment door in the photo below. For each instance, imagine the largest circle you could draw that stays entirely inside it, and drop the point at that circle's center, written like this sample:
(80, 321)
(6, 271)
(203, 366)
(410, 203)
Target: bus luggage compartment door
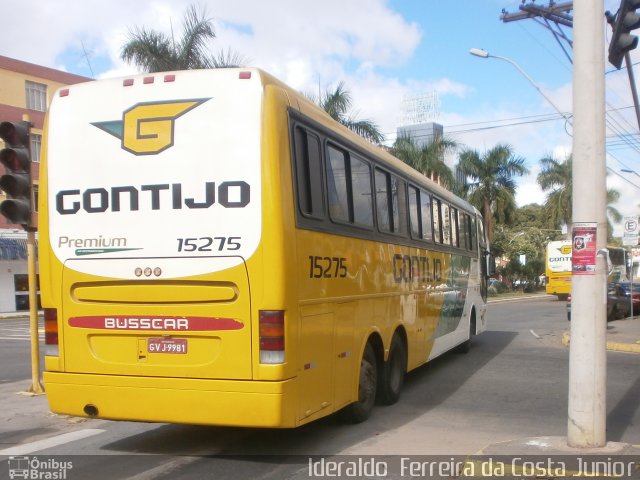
(189, 327)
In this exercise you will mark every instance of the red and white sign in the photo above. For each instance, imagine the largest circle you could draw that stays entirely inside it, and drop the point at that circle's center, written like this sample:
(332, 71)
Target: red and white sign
(583, 259)
(156, 323)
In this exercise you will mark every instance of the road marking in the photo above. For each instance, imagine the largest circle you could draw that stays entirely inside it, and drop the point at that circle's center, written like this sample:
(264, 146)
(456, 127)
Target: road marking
(51, 442)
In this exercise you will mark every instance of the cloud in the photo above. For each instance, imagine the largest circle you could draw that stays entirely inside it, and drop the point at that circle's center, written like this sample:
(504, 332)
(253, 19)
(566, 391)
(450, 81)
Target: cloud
(311, 48)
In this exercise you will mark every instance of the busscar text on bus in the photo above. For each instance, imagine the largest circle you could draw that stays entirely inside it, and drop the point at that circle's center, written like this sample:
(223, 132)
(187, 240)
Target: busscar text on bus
(214, 249)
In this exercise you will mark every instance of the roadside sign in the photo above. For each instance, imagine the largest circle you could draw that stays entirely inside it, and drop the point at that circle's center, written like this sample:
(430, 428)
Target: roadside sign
(584, 249)
(631, 231)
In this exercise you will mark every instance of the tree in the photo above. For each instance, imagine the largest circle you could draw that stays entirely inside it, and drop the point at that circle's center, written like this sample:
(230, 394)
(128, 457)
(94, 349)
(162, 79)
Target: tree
(491, 181)
(428, 158)
(556, 176)
(154, 51)
(337, 104)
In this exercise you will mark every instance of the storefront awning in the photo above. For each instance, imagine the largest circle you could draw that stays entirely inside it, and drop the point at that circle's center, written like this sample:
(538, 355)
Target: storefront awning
(14, 248)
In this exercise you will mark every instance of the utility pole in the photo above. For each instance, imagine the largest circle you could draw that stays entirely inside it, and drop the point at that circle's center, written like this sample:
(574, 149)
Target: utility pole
(553, 17)
(587, 355)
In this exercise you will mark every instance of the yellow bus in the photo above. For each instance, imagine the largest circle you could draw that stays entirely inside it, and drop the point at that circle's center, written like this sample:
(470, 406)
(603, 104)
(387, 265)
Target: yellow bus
(214, 249)
(558, 268)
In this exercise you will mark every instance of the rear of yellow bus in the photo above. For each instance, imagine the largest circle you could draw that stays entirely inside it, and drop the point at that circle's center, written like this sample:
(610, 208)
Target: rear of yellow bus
(558, 268)
(159, 218)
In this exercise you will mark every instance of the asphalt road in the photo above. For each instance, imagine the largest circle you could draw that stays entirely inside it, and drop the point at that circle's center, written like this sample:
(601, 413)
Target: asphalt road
(15, 353)
(513, 384)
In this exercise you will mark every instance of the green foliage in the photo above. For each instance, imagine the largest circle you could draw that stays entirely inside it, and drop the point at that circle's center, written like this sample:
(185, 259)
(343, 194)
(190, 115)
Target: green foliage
(154, 51)
(492, 186)
(428, 159)
(556, 177)
(337, 103)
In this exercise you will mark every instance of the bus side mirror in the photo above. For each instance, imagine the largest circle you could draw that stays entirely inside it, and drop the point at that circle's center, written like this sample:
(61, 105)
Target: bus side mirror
(490, 265)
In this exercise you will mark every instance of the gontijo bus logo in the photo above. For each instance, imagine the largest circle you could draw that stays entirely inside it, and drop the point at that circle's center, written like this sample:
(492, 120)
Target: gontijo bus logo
(148, 128)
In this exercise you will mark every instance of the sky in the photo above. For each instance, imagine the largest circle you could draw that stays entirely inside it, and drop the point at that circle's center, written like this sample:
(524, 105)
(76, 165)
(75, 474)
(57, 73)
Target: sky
(384, 51)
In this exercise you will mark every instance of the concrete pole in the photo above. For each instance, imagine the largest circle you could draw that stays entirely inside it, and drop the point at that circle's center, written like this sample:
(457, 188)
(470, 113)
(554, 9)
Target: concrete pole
(587, 356)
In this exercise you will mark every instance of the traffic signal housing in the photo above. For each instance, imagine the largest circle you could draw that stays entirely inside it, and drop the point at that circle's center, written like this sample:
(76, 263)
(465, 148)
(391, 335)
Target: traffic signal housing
(621, 40)
(17, 182)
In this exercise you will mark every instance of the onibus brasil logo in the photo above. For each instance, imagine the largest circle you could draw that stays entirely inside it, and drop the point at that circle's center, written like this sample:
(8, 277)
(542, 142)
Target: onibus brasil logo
(148, 128)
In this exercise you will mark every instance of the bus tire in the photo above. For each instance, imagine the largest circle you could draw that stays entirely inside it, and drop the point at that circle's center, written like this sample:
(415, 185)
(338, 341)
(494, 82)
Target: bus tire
(361, 409)
(392, 372)
(465, 346)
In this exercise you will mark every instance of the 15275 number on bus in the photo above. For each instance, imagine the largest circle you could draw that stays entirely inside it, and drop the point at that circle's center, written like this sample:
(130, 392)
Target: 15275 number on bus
(209, 244)
(327, 267)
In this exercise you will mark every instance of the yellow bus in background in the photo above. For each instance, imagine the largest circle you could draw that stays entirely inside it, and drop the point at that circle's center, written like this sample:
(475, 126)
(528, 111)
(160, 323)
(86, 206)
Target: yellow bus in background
(214, 249)
(558, 268)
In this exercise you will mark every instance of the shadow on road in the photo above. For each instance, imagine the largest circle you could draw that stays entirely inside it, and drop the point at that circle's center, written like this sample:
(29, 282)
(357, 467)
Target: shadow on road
(425, 388)
(620, 418)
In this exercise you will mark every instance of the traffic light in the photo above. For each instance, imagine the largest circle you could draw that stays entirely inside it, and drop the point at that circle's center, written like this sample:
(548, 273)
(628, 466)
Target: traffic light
(16, 183)
(621, 40)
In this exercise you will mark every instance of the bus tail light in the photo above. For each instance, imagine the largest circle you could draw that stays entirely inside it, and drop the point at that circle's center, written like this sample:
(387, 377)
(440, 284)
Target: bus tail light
(271, 336)
(51, 331)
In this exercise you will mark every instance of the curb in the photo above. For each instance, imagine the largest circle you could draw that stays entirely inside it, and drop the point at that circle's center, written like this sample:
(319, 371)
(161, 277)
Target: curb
(515, 299)
(612, 346)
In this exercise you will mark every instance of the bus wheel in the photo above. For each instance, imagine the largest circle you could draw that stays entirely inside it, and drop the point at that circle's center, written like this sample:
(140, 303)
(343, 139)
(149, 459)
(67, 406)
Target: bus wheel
(392, 372)
(361, 409)
(465, 347)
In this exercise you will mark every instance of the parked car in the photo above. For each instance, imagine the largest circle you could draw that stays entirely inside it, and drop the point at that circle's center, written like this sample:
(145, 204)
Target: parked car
(618, 305)
(636, 294)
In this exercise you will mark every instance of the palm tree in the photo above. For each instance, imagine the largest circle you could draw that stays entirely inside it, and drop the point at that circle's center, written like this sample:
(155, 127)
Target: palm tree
(337, 104)
(154, 51)
(428, 159)
(491, 181)
(556, 176)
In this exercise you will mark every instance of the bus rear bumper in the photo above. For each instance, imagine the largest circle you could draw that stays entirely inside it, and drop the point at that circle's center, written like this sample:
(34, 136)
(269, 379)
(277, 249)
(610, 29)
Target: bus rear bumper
(173, 400)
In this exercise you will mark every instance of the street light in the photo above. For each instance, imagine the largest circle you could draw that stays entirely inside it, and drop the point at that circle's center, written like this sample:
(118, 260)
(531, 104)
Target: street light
(630, 171)
(478, 52)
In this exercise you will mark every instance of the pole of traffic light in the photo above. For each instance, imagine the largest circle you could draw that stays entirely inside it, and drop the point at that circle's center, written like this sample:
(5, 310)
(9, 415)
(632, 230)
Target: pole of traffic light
(632, 83)
(36, 385)
(587, 354)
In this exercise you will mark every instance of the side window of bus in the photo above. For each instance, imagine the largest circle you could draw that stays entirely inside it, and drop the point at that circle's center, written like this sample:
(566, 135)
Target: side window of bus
(308, 173)
(462, 230)
(390, 202)
(446, 224)
(425, 211)
(337, 185)
(399, 203)
(466, 221)
(361, 191)
(474, 235)
(383, 200)
(481, 238)
(454, 227)
(419, 214)
(349, 184)
(435, 209)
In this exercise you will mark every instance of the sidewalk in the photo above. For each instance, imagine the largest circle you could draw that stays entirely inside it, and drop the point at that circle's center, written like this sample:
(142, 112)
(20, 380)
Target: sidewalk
(622, 335)
(21, 314)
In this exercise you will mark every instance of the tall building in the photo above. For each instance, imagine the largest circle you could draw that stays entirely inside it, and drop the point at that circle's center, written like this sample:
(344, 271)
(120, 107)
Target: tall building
(25, 92)
(422, 133)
